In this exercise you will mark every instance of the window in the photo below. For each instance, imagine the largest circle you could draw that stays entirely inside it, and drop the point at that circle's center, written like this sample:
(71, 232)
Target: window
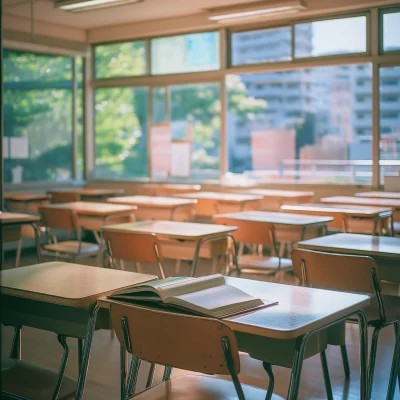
(190, 140)
(389, 144)
(391, 36)
(80, 157)
(120, 59)
(121, 133)
(331, 37)
(185, 53)
(308, 135)
(160, 112)
(37, 117)
(261, 46)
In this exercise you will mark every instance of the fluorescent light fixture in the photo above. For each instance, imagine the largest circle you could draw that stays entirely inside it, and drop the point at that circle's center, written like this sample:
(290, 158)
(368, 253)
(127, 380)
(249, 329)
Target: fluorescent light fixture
(256, 10)
(89, 5)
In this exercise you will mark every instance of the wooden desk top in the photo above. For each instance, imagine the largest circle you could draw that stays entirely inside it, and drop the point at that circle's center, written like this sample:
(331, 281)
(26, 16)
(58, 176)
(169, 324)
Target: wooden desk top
(89, 192)
(363, 201)
(275, 218)
(152, 201)
(94, 209)
(290, 194)
(178, 186)
(9, 218)
(67, 284)
(351, 243)
(26, 197)
(222, 197)
(173, 229)
(380, 195)
(299, 311)
(351, 210)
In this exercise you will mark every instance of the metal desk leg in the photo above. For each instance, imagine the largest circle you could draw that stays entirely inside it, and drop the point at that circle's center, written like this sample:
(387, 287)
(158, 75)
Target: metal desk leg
(37, 241)
(294, 383)
(86, 353)
(16, 344)
(363, 326)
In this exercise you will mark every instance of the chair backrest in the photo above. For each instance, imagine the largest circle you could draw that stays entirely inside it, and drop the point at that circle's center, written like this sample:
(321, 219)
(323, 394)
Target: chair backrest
(249, 232)
(60, 218)
(65, 197)
(336, 271)
(131, 246)
(177, 340)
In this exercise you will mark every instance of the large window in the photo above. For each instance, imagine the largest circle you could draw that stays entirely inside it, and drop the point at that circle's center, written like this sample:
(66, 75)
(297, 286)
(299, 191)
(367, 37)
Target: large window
(185, 53)
(37, 117)
(186, 136)
(391, 27)
(305, 125)
(120, 59)
(261, 46)
(389, 108)
(331, 37)
(121, 133)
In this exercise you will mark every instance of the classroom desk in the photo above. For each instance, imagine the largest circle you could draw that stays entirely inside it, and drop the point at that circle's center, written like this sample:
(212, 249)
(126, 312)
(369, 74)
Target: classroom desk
(380, 195)
(210, 203)
(292, 227)
(360, 217)
(25, 202)
(92, 216)
(273, 199)
(179, 238)
(384, 250)
(61, 297)
(91, 194)
(11, 223)
(301, 311)
(161, 208)
(174, 189)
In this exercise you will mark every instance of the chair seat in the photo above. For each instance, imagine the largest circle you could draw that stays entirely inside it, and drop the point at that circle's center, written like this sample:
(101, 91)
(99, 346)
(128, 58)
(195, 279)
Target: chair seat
(72, 247)
(29, 381)
(250, 261)
(199, 387)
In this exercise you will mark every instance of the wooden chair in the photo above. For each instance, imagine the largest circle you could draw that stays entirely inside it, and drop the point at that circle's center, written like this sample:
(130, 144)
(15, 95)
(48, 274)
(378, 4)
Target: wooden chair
(65, 197)
(354, 274)
(257, 234)
(23, 380)
(66, 220)
(131, 246)
(198, 344)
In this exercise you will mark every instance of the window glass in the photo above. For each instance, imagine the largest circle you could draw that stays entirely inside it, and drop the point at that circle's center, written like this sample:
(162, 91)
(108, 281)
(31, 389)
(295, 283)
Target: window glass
(330, 37)
(391, 28)
(37, 117)
(266, 45)
(160, 105)
(79, 118)
(120, 59)
(305, 125)
(389, 108)
(194, 52)
(121, 133)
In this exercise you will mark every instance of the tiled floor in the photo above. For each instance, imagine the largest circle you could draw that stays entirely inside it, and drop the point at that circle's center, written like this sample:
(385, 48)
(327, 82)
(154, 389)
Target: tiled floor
(103, 378)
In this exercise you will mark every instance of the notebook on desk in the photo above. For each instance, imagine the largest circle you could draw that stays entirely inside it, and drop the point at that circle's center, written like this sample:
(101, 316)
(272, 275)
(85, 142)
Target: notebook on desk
(207, 296)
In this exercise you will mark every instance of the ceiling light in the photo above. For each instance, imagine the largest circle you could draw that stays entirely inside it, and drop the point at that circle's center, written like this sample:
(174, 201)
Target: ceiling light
(256, 10)
(89, 5)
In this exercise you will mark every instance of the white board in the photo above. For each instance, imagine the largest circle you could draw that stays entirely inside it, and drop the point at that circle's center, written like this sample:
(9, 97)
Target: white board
(19, 147)
(180, 159)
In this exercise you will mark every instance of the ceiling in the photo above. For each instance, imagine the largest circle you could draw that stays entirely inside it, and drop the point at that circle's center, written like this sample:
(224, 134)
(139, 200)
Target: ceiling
(148, 10)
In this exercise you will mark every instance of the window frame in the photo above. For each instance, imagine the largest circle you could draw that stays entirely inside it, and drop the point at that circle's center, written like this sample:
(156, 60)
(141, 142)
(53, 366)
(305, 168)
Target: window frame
(382, 12)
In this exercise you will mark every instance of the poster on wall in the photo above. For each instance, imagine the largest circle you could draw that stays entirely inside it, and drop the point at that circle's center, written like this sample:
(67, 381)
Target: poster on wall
(160, 145)
(180, 159)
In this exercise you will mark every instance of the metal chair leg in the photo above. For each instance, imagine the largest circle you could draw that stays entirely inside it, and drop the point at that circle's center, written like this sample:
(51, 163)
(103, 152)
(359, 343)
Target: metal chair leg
(372, 358)
(150, 377)
(345, 360)
(80, 352)
(268, 370)
(396, 333)
(167, 373)
(18, 256)
(63, 342)
(395, 368)
(327, 378)
(16, 344)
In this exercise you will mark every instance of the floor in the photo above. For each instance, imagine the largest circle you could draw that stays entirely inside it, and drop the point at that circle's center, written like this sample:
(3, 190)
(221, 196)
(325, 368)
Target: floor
(103, 377)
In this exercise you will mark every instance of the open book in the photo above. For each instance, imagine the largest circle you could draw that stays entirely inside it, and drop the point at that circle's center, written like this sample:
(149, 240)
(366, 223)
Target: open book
(209, 296)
